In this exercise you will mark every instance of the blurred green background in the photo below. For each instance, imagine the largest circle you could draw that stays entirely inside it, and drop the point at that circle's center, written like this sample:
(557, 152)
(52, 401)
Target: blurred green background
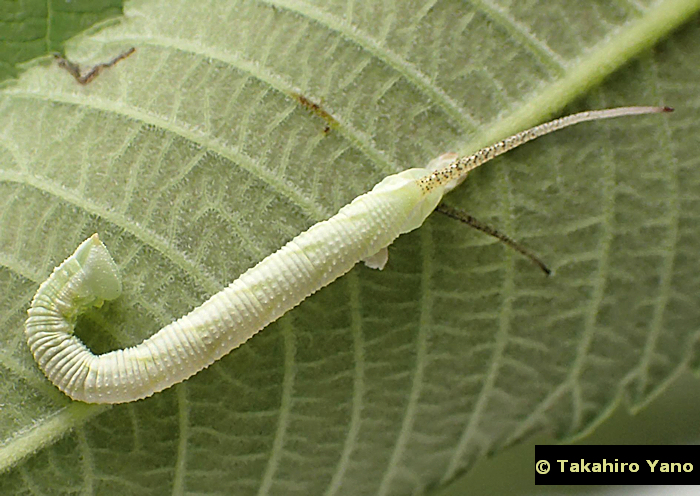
(672, 418)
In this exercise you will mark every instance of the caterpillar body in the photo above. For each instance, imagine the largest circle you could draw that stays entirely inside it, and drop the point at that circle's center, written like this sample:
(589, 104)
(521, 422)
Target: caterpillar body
(360, 231)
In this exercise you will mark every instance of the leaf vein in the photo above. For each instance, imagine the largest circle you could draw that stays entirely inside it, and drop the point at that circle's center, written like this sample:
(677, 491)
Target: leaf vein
(412, 73)
(148, 237)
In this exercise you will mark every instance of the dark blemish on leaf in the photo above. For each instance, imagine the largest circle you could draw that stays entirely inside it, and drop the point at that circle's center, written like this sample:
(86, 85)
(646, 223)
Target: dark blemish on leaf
(316, 108)
(74, 69)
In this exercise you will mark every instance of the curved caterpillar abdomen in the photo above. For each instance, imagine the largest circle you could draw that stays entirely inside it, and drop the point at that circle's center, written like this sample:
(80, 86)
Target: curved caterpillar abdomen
(229, 318)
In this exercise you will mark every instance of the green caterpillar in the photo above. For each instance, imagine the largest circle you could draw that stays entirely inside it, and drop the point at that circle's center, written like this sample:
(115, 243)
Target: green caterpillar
(360, 231)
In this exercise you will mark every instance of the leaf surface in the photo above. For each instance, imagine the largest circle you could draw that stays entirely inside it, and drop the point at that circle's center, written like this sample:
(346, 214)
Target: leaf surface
(199, 155)
(32, 28)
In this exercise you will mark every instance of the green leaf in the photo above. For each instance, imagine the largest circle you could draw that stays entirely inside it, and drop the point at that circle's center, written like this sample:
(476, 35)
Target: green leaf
(196, 157)
(670, 419)
(32, 28)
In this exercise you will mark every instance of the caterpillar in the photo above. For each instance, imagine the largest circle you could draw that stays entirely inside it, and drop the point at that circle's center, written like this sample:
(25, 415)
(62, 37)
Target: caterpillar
(360, 231)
